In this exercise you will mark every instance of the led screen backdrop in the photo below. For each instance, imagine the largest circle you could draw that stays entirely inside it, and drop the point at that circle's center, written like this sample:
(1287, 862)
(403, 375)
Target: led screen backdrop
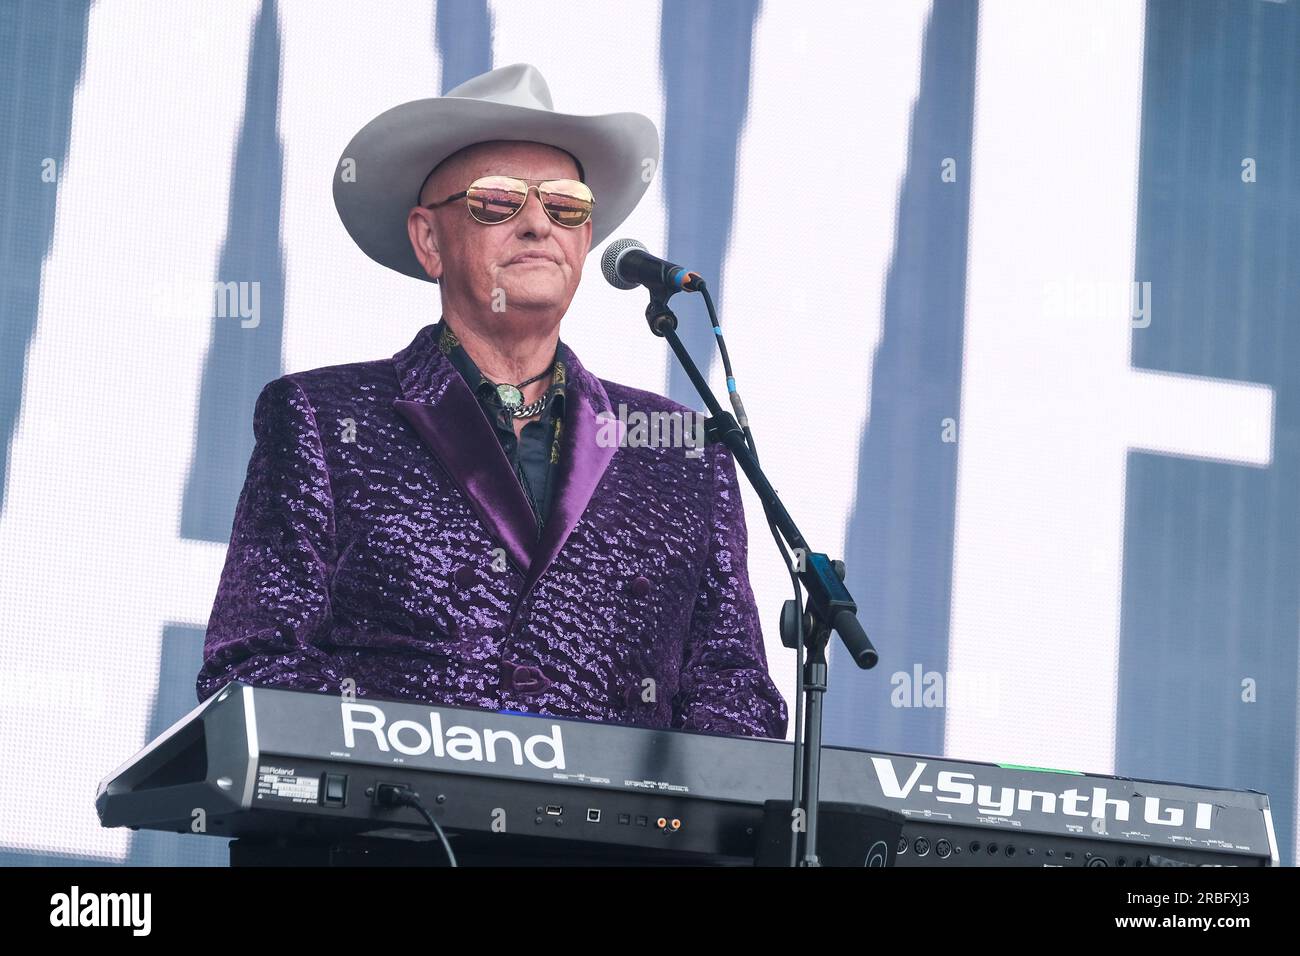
(1009, 288)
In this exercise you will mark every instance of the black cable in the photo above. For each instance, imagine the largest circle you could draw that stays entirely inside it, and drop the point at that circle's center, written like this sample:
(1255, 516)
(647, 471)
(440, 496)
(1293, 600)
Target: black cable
(397, 795)
(743, 420)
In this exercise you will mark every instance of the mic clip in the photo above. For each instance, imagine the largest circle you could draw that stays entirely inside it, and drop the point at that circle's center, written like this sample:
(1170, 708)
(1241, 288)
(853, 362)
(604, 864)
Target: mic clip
(661, 318)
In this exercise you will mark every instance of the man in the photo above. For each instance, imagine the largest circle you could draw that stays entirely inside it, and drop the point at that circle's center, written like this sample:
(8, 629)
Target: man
(447, 525)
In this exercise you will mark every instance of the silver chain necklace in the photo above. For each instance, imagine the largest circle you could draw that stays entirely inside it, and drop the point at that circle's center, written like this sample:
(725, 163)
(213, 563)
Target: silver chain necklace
(527, 411)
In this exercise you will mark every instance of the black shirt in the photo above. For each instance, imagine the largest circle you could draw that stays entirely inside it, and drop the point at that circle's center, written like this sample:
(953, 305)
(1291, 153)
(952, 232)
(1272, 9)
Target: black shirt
(534, 454)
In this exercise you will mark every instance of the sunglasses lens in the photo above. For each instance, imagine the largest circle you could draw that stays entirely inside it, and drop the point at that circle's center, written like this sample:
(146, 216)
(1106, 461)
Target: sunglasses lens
(567, 201)
(496, 198)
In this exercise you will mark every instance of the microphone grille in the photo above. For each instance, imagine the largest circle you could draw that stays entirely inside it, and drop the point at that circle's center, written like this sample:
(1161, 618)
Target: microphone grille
(609, 262)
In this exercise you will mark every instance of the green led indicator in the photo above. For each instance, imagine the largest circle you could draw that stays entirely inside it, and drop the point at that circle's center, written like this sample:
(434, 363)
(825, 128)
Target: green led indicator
(1016, 766)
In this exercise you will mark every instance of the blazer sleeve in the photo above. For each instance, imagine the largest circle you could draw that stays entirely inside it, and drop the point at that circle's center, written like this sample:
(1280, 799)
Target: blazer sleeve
(272, 602)
(725, 685)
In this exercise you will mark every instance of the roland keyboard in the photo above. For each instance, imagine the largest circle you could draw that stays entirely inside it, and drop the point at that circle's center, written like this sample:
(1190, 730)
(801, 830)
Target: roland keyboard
(260, 763)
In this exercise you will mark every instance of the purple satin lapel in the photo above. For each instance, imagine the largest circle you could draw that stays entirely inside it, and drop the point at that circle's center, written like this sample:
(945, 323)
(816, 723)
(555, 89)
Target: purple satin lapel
(581, 466)
(443, 411)
(456, 431)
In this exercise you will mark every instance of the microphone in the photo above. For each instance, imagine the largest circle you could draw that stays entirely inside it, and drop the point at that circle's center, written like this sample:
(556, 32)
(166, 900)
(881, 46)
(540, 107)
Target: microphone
(627, 264)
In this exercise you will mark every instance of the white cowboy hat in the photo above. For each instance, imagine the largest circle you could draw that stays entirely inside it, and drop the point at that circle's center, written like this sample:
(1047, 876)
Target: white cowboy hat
(380, 173)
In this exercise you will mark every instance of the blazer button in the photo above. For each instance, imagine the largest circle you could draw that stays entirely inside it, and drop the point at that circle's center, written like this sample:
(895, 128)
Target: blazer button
(641, 586)
(632, 695)
(465, 577)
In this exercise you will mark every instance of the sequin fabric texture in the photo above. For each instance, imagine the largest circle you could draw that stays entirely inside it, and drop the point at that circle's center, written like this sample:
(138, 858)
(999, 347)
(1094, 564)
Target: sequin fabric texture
(381, 538)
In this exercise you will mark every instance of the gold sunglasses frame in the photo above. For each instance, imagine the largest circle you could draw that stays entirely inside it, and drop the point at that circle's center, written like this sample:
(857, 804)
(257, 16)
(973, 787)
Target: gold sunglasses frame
(529, 186)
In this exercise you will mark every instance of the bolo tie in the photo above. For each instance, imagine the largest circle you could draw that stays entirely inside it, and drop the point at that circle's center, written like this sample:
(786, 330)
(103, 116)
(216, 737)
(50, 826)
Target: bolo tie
(512, 397)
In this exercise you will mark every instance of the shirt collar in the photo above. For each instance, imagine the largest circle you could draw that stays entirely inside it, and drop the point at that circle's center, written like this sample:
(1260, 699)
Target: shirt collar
(483, 388)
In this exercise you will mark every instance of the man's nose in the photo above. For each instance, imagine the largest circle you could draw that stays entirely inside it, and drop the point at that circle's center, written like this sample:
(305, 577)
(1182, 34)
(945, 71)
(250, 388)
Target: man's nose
(533, 219)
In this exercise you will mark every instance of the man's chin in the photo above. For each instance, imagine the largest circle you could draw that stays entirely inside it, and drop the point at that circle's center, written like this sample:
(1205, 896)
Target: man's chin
(533, 294)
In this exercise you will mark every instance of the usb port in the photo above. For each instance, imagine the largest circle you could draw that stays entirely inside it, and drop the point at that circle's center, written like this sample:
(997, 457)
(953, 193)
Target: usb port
(593, 816)
(554, 811)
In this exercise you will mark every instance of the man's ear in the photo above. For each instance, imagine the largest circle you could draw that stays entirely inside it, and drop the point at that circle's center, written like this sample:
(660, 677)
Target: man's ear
(424, 241)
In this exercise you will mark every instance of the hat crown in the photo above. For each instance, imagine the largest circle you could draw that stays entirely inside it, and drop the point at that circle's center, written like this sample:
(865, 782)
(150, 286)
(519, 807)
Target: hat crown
(398, 147)
(520, 84)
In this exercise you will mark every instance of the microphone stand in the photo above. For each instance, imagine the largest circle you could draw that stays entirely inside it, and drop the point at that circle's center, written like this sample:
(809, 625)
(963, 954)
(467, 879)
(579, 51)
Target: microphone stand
(830, 606)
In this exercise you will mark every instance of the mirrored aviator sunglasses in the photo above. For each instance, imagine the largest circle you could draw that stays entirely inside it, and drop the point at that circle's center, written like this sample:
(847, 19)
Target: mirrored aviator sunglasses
(495, 199)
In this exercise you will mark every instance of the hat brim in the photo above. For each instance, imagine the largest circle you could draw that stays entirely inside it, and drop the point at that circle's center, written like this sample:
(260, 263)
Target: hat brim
(393, 153)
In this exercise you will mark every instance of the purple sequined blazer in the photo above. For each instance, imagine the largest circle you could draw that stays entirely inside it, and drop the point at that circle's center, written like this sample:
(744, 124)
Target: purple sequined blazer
(382, 537)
